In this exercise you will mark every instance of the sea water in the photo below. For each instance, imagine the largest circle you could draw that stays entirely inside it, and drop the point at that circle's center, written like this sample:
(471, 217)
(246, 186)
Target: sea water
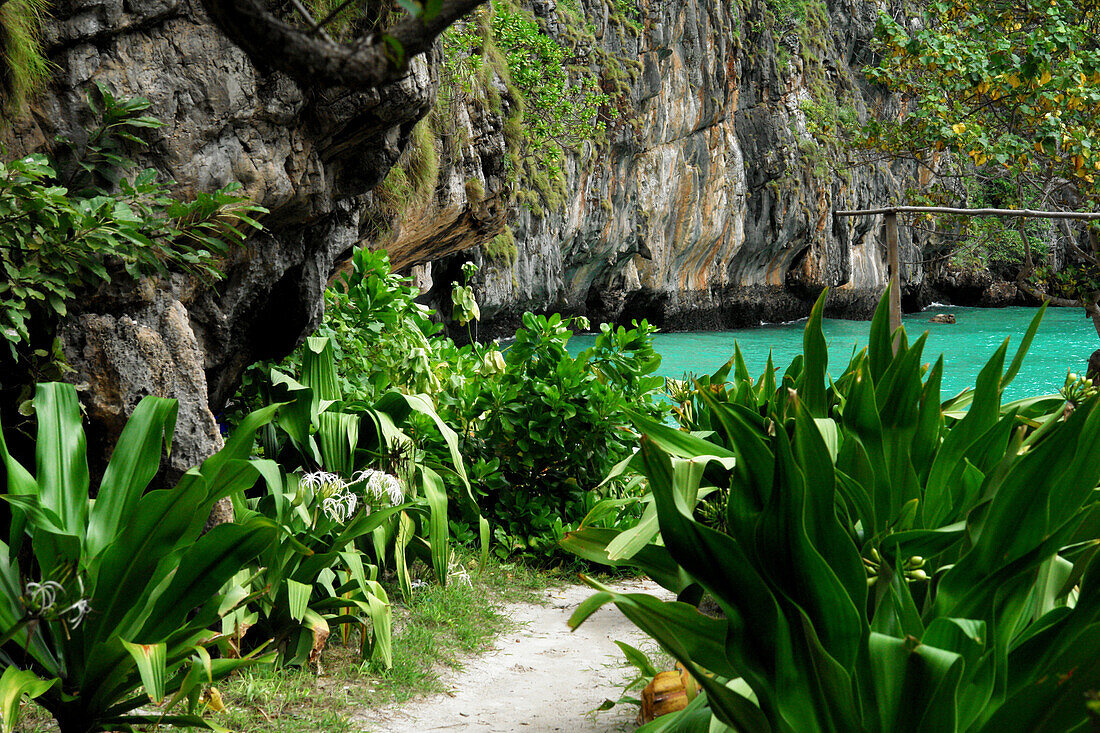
(1064, 342)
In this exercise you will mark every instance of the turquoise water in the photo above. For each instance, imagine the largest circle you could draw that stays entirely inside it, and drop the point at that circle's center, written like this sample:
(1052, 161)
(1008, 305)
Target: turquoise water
(1064, 342)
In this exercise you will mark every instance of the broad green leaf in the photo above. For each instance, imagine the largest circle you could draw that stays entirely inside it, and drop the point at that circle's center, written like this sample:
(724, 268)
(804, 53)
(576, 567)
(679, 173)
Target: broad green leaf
(438, 529)
(590, 543)
(14, 684)
(399, 405)
(19, 483)
(124, 569)
(880, 348)
(915, 685)
(61, 455)
(297, 598)
(338, 433)
(151, 663)
(812, 384)
(1025, 344)
(405, 533)
(637, 658)
(1055, 701)
(319, 368)
(380, 613)
(135, 460)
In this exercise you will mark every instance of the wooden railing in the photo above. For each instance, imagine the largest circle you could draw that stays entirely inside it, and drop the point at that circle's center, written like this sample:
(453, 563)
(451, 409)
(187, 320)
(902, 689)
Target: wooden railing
(891, 223)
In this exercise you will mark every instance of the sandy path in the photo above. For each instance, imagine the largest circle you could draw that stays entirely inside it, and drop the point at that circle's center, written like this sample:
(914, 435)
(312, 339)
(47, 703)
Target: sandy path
(538, 678)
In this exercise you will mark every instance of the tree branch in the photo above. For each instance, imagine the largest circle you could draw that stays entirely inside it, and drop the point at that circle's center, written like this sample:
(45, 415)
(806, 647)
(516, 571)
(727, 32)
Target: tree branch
(367, 62)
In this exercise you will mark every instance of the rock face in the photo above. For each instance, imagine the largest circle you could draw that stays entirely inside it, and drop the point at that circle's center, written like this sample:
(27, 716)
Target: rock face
(309, 157)
(714, 208)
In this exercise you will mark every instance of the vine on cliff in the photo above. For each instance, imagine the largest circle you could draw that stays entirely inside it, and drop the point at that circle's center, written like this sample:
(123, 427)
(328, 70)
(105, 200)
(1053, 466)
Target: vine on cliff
(78, 220)
(554, 103)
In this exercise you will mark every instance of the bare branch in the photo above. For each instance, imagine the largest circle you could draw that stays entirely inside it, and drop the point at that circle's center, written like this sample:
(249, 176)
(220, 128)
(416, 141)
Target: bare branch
(370, 61)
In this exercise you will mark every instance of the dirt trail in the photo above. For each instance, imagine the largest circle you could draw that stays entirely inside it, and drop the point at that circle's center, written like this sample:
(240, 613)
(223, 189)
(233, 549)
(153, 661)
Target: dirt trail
(536, 679)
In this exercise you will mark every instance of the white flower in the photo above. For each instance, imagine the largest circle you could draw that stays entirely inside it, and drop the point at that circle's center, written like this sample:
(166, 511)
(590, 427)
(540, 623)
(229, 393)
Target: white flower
(457, 571)
(340, 507)
(323, 483)
(78, 611)
(381, 485)
(43, 596)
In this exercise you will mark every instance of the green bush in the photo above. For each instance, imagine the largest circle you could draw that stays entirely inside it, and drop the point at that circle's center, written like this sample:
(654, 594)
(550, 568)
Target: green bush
(537, 428)
(316, 429)
(83, 218)
(107, 603)
(554, 425)
(888, 561)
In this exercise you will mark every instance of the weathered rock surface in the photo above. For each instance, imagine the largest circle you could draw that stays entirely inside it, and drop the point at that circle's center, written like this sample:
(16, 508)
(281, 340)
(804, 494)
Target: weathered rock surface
(308, 156)
(715, 208)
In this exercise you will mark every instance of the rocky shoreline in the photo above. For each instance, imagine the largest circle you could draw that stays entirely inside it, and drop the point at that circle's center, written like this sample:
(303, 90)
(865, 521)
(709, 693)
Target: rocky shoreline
(733, 308)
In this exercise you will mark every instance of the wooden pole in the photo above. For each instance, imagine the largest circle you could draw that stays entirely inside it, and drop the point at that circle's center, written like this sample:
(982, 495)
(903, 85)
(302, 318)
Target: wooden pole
(895, 274)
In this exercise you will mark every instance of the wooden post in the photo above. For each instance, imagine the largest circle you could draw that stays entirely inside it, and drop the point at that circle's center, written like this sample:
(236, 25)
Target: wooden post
(895, 273)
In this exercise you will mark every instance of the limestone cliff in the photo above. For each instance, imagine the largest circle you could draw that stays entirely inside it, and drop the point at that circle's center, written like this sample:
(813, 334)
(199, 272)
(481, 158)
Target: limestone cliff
(307, 156)
(710, 203)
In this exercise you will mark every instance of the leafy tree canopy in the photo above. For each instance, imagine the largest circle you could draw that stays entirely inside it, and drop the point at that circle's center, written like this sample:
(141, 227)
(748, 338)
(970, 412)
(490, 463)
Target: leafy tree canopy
(1012, 84)
(1005, 95)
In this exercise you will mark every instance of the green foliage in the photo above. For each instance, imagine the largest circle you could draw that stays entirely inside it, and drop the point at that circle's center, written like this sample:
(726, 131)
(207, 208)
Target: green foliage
(1004, 93)
(502, 248)
(556, 110)
(313, 578)
(887, 561)
(23, 68)
(317, 430)
(536, 427)
(381, 334)
(109, 601)
(1000, 83)
(795, 13)
(70, 225)
(548, 426)
(554, 101)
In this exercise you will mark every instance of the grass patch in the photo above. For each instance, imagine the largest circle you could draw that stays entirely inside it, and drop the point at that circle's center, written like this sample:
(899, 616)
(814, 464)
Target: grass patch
(23, 66)
(434, 631)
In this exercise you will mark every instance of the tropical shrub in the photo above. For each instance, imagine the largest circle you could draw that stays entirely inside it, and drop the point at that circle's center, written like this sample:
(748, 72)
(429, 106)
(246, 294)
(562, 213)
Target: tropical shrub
(537, 428)
(554, 425)
(107, 603)
(317, 432)
(887, 561)
(82, 218)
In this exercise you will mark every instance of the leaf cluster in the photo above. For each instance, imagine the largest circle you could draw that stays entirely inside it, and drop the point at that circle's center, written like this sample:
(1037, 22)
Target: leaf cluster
(107, 603)
(888, 561)
(538, 428)
(71, 225)
(1004, 83)
(558, 101)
